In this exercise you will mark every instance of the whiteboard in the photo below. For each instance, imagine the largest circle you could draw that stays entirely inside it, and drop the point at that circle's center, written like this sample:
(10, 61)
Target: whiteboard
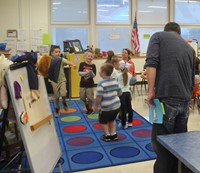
(41, 144)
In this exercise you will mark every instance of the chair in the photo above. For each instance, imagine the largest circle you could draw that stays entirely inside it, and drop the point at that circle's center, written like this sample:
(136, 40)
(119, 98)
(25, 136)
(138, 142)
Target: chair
(198, 99)
(133, 88)
(144, 81)
(196, 96)
(10, 140)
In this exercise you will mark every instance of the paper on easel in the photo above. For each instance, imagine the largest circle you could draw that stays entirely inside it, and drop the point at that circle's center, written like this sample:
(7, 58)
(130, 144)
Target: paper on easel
(156, 113)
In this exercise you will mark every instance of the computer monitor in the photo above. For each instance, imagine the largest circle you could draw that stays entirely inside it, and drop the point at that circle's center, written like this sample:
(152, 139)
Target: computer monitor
(73, 46)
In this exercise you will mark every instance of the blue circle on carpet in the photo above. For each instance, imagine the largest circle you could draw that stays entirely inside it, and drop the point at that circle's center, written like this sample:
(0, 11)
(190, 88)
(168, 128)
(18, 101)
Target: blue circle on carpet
(149, 147)
(124, 152)
(87, 157)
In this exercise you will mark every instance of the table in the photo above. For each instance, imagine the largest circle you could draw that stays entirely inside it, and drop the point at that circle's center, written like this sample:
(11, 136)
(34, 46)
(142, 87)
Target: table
(185, 146)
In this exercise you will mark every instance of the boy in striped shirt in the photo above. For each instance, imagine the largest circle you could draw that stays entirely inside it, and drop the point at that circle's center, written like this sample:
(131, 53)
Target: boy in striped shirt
(107, 96)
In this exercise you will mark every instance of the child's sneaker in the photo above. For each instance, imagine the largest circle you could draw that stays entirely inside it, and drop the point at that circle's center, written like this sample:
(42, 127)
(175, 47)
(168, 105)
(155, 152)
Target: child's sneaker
(130, 124)
(106, 138)
(89, 112)
(123, 127)
(57, 113)
(118, 118)
(65, 106)
(114, 137)
(87, 107)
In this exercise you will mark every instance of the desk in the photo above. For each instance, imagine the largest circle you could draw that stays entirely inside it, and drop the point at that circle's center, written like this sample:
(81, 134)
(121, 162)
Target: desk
(185, 146)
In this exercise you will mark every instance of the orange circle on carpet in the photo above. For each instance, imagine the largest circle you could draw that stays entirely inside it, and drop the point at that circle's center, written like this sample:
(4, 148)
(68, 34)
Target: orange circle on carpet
(70, 110)
(84, 109)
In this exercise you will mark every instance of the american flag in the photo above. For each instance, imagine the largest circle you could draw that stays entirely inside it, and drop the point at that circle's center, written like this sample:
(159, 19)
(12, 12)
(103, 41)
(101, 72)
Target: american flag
(135, 37)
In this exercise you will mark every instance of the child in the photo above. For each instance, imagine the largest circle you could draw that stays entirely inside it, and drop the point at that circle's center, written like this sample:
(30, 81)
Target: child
(116, 70)
(54, 70)
(87, 71)
(127, 59)
(107, 94)
(123, 79)
(110, 55)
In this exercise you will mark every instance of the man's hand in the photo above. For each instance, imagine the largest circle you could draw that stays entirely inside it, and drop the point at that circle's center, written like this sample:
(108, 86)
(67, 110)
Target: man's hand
(150, 97)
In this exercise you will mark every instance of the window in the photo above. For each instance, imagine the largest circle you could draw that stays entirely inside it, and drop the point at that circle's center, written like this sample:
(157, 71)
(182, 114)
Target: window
(145, 35)
(153, 12)
(187, 11)
(75, 11)
(71, 33)
(113, 11)
(193, 33)
(113, 38)
(113, 25)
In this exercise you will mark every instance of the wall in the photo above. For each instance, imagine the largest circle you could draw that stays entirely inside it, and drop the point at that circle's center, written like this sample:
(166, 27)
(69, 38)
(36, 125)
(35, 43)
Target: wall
(26, 15)
(35, 14)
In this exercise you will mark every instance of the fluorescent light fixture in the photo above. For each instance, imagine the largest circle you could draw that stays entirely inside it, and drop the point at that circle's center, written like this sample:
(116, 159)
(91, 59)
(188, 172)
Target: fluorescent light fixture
(107, 5)
(102, 10)
(56, 3)
(188, 1)
(156, 6)
(84, 12)
(145, 11)
(123, 15)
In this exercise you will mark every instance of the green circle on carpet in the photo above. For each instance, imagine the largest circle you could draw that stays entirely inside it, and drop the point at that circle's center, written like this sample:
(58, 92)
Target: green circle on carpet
(70, 118)
(93, 116)
(70, 103)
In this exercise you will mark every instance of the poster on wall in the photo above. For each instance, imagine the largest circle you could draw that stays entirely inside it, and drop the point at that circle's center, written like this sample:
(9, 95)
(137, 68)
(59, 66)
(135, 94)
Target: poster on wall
(21, 36)
(12, 33)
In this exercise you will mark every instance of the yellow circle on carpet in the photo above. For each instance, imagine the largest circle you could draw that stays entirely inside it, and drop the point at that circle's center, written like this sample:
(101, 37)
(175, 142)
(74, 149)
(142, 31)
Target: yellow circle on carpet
(93, 116)
(70, 118)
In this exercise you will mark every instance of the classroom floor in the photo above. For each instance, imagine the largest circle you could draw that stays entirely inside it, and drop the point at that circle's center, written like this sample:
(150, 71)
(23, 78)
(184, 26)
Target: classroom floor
(141, 107)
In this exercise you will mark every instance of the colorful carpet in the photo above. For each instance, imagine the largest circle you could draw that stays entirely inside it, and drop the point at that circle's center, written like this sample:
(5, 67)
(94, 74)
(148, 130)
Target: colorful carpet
(82, 148)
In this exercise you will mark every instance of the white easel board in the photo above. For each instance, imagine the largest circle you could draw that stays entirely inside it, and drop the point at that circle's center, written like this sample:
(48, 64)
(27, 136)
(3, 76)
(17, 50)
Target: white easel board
(41, 144)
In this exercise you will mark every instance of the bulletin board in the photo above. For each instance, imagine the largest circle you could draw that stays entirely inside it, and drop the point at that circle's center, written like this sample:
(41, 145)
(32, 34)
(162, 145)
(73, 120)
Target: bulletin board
(38, 131)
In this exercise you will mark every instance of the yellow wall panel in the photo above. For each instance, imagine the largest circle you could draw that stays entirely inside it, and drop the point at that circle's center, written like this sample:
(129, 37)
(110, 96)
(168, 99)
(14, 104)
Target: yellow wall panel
(74, 76)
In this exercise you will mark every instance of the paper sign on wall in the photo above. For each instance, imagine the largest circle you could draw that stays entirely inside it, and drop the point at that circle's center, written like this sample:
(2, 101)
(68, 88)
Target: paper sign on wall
(46, 39)
(146, 36)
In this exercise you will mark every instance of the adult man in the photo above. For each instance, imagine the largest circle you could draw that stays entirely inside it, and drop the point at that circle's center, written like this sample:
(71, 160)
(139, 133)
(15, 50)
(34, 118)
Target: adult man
(170, 75)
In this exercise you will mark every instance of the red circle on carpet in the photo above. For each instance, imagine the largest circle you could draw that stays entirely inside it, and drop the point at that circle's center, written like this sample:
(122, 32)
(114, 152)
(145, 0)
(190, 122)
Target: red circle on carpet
(142, 133)
(121, 136)
(80, 141)
(74, 129)
(137, 122)
(97, 126)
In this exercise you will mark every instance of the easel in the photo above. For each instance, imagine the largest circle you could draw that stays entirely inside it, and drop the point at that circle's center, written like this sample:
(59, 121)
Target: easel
(8, 147)
(43, 133)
